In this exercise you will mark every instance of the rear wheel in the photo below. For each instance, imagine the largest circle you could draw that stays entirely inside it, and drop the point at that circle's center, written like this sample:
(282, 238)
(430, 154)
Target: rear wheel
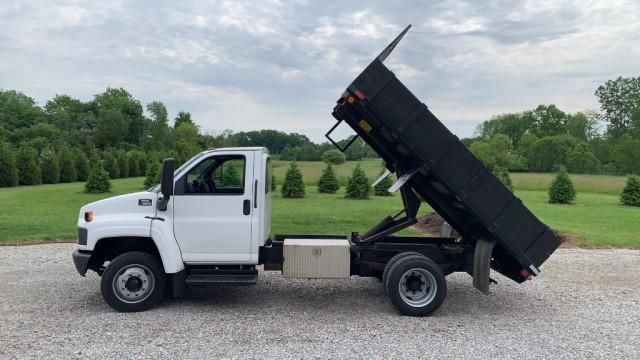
(385, 273)
(416, 285)
(133, 281)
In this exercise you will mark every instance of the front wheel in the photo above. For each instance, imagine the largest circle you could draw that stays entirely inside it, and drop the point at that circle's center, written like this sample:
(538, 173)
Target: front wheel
(416, 285)
(133, 281)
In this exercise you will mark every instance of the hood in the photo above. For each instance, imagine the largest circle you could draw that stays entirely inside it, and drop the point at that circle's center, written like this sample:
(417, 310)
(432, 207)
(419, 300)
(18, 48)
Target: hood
(143, 203)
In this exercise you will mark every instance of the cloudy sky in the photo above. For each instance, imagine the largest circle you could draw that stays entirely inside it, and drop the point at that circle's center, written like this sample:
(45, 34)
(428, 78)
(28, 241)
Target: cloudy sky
(282, 64)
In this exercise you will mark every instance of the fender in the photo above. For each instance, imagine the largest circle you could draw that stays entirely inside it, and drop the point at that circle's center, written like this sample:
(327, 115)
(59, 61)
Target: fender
(168, 248)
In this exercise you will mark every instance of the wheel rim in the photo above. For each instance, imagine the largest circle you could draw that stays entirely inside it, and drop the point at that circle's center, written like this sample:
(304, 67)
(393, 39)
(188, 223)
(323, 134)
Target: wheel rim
(418, 287)
(133, 283)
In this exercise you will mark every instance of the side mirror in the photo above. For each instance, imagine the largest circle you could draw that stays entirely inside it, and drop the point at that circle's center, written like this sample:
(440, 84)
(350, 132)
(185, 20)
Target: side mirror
(166, 182)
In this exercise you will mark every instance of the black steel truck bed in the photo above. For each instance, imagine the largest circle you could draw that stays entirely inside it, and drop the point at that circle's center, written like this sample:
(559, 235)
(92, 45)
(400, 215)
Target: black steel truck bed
(411, 140)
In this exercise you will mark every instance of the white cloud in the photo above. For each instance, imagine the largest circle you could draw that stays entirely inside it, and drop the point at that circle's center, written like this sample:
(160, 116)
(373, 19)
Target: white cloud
(281, 64)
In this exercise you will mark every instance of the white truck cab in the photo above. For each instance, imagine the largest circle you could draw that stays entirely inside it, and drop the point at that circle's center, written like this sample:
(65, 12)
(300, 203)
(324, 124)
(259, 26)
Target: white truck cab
(219, 213)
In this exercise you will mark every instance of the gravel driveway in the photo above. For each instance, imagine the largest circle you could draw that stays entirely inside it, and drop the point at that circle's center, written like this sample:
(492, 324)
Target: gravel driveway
(586, 303)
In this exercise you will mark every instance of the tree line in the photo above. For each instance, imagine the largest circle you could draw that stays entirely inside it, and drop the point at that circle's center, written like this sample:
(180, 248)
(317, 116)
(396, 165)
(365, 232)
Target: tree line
(544, 138)
(60, 141)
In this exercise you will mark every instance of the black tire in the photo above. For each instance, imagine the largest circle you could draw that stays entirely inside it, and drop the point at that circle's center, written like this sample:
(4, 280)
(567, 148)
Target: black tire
(409, 278)
(147, 269)
(385, 273)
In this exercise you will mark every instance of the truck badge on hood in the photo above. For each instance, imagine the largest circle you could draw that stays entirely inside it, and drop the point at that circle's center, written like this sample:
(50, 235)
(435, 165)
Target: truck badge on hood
(145, 202)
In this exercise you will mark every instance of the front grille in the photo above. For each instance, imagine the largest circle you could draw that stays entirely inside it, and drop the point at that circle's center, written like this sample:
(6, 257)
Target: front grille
(82, 236)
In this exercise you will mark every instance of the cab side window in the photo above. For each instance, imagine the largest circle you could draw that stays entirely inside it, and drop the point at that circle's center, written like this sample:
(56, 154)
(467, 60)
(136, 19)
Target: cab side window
(217, 175)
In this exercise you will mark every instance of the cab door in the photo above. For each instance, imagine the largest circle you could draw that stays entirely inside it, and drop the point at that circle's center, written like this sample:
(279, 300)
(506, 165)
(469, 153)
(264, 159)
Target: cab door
(213, 210)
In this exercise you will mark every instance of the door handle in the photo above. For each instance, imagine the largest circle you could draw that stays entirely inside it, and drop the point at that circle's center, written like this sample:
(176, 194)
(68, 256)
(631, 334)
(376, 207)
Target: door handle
(246, 207)
(255, 194)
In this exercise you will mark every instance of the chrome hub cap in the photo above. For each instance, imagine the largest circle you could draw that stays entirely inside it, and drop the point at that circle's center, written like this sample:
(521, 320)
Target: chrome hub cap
(133, 283)
(417, 287)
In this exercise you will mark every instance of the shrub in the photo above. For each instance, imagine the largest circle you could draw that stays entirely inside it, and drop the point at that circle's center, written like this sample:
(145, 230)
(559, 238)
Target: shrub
(133, 164)
(358, 185)
(50, 167)
(382, 188)
(110, 163)
(153, 175)
(293, 186)
(8, 171)
(333, 156)
(123, 164)
(561, 190)
(28, 166)
(68, 171)
(98, 180)
(503, 175)
(328, 182)
(631, 193)
(82, 165)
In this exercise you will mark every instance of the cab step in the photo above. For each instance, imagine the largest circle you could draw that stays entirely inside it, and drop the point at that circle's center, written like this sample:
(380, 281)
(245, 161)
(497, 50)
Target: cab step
(222, 277)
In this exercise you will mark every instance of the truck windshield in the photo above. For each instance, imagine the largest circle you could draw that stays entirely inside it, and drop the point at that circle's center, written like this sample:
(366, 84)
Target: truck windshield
(156, 188)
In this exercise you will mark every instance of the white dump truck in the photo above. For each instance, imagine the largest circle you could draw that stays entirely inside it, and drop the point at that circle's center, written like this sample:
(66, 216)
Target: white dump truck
(202, 225)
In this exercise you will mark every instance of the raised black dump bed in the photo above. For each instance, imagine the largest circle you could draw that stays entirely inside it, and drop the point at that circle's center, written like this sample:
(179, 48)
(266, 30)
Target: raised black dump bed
(441, 170)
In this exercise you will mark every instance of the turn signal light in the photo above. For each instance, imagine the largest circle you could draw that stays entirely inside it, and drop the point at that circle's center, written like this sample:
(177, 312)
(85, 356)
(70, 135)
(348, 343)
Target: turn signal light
(88, 216)
(351, 99)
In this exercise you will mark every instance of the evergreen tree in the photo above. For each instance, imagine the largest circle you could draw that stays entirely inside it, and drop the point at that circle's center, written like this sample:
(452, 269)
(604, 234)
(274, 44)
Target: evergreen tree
(382, 188)
(293, 186)
(94, 159)
(358, 185)
(68, 171)
(328, 182)
(28, 166)
(153, 175)
(123, 164)
(230, 177)
(8, 171)
(561, 190)
(50, 167)
(110, 164)
(82, 165)
(132, 160)
(98, 180)
(502, 173)
(631, 193)
(142, 163)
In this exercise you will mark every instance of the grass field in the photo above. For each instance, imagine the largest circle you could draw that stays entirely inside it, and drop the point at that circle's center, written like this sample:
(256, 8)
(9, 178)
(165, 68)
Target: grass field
(311, 170)
(49, 212)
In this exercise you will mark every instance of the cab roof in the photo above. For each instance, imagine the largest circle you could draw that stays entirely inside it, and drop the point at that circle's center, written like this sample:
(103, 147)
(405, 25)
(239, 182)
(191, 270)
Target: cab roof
(239, 148)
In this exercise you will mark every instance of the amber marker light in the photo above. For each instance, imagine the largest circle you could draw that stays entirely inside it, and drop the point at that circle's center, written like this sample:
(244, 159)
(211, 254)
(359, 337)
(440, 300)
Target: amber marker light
(351, 99)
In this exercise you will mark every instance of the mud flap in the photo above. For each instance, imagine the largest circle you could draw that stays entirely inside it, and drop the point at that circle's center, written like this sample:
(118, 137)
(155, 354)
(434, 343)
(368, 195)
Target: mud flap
(481, 265)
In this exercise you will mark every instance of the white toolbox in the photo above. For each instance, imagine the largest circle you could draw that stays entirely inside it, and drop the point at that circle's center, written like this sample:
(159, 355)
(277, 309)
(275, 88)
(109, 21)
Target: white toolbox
(316, 258)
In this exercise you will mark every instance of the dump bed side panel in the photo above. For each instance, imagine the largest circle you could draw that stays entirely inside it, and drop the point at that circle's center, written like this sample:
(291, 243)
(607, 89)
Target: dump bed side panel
(450, 178)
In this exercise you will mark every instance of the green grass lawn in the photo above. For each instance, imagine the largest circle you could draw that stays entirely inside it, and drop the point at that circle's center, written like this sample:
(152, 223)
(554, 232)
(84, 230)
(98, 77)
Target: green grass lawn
(49, 212)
